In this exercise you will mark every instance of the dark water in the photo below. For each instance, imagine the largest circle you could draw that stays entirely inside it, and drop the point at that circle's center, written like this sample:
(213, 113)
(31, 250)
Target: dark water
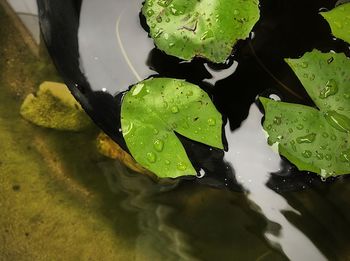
(289, 221)
(283, 213)
(251, 204)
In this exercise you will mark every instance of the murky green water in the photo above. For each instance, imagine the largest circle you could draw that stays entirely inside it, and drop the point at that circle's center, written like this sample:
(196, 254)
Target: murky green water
(61, 200)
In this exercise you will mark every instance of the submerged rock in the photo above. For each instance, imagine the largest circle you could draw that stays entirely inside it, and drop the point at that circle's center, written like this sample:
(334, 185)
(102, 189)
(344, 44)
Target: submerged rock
(54, 107)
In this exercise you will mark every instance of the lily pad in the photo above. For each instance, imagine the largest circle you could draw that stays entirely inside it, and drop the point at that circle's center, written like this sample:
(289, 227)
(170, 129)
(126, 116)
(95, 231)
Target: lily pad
(54, 107)
(316, 140)
(206, 28)
(339, 21)
(153, 110)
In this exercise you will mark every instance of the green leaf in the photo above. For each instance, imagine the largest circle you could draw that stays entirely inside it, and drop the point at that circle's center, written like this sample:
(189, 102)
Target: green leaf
(153, 110)
(316, 140)
(206, 28)
(339, 21)
(54, 107)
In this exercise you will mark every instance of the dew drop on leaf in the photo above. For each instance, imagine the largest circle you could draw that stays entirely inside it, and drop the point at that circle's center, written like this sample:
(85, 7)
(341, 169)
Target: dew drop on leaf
(163, 3)
(158, 145)
(181, 166)
(300, 126)
(328, 157)
(159, 19)
(330, 89)
(150, 13)
(345, 156)
(189, 93)
(151, 157)
(211, 122)
(338, 121)
(307, 154)
(304, 65)
(174, 109)
(319, 155)
(307, 138)
(277, 120)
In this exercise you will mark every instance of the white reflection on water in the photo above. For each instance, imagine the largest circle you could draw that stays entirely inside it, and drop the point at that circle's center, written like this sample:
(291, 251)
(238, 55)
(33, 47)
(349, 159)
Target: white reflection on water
(113, 46)
(253, 161)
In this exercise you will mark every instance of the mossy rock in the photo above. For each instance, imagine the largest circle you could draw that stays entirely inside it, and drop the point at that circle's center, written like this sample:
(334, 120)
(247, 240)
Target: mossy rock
(54, 107)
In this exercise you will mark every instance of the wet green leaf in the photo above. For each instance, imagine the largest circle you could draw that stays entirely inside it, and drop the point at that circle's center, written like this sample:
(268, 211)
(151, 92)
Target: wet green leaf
(207, 28)
(339, 21)
(153, 110)
(316, 140)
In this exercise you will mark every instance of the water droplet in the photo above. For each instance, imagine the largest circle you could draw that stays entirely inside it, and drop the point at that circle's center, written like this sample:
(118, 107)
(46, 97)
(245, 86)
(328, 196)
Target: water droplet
(211, 122)
(290, 130)
(164, 3)
(325, 135)
(235, 12)
(151, 157)
(338, 121)
(312, 77)
(158, 33)
(304, 65)
(174, 11)
(328, 157)
(319, 155)
(189, 93)
(159, 19)
(307, 154)
(158, 145)
(150, 13)
(171, 45)
(292, 143)
(127, 127)
(345, 156)
(181, 166)
(333, 137)
(207, 34)
(337, 24)
(277, 120)
(330, 89)
(323, 147)
(150, 3)
(174, 109)
(167, 162)
(167, 20)
(269, 127)
(300, 126)
(346, 96)
(137, 89)
(307, 138)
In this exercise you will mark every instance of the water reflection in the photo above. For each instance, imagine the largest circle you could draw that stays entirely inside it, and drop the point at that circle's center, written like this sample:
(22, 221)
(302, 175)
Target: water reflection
(254, 161)
(157, 240)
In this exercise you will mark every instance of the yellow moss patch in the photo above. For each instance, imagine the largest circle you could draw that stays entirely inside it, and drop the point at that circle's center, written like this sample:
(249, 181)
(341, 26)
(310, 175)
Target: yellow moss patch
(54, 106)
